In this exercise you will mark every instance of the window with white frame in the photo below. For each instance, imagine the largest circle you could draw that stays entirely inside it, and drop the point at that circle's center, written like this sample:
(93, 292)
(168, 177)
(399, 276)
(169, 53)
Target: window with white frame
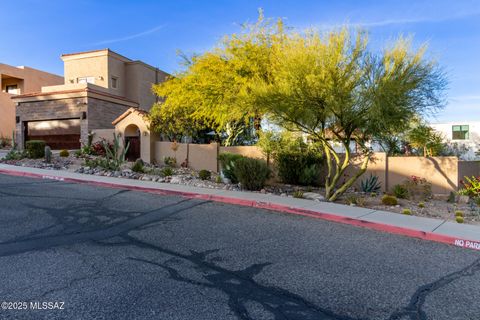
(460, 132)
(86, 80)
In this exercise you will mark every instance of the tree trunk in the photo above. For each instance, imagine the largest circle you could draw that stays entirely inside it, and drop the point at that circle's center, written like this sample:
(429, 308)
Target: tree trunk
(351, 181)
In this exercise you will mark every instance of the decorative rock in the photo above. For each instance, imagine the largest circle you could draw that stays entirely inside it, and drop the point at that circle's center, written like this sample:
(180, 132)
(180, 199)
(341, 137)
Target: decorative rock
(313, 196)
(175, 180)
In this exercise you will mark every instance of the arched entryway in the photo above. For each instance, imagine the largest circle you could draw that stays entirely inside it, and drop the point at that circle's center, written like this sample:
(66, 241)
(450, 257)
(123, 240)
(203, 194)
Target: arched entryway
(132, 138)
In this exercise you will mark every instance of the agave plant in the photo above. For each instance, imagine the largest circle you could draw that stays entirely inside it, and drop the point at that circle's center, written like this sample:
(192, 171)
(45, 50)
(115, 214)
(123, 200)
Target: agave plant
(370, 184)
(115, 155)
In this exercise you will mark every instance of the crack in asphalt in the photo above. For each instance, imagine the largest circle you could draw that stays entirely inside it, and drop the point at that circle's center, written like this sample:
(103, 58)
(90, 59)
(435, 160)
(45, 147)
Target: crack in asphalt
(239, 286)
(31, 244)
(414, 310)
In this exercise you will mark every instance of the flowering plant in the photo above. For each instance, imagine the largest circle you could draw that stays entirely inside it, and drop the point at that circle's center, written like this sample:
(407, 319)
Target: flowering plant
(471, 187)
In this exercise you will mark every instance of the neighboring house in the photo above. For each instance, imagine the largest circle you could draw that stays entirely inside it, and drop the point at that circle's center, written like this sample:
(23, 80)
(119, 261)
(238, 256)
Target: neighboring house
(15, 81)
(463, 137)
(99, 86)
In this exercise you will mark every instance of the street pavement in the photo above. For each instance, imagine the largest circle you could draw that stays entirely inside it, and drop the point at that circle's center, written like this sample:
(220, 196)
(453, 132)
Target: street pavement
(105, 253)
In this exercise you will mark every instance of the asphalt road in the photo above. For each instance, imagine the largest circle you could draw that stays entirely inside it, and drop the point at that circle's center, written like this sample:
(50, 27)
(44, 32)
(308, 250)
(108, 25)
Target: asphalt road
(103, 253)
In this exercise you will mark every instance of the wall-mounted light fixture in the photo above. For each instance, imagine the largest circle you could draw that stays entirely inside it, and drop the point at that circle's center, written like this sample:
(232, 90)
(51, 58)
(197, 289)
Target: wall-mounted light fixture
(100, 78)
(145, 133)
(83, 116)
(71, 80)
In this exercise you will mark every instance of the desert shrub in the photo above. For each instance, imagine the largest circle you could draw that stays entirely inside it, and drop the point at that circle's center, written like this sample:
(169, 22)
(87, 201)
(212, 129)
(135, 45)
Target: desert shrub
(204, 174)
(64, 153)
(407, 212)
(251, 173)
(389, 200)
(470, 186)
(458, 213)
(459, 219)
(370, 184)
(297, 167)
(218, 179)
(227, 161)
(356, 200)
(15, 155)
(310, 175)
(418, 187)
(373, 194)
(421, 204)
(298, 194)
(170, 161)
(400, 191)
(138, 166)
(167, 171)
(35, 148)
(5, 142)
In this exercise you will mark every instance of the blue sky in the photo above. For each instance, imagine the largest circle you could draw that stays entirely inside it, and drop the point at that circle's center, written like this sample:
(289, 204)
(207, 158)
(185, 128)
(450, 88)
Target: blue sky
(36, 33)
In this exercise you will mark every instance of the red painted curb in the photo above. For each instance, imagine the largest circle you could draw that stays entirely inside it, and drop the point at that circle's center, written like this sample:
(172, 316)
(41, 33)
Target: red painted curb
(429, 236)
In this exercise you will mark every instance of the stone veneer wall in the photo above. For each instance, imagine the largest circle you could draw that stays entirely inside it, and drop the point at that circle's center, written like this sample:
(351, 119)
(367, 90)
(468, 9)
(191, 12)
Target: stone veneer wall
(100, 113)
(49, 110)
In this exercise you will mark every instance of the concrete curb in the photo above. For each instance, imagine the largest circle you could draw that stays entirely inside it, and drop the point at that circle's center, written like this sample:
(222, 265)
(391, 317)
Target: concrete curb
(423, 235)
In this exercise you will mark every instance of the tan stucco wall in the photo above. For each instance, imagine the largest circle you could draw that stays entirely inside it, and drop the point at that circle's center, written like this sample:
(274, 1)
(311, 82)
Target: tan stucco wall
(102, 134)
(91, 66)
(247, 151)
(164, 149)
(29, 80)
(468, 169)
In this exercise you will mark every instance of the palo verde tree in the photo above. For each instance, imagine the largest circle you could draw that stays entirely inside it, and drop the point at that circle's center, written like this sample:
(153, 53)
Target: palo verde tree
(331, 88)
(213, 91)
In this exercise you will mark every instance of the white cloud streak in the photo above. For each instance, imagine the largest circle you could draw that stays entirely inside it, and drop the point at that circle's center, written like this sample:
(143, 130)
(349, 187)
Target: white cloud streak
(130, 37)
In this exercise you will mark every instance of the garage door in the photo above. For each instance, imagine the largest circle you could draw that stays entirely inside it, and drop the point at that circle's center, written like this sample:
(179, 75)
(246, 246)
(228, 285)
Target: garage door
(58, 134)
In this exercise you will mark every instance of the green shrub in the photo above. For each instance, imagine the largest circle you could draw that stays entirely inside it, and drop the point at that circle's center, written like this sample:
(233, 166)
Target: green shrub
(204, 174)
(138, 166)
(459, 213)
(227, 161)
(298, 194)
(421, 205)
(251, 173)
(170, 161)
(167, 171)
(295, 167)
(370, 184)
(389, 200)
(35, 149)
(310, 175)
(459, 219)
(400, 191)
(218, 179)
(64, 153)
(407, 212)
(15, 155)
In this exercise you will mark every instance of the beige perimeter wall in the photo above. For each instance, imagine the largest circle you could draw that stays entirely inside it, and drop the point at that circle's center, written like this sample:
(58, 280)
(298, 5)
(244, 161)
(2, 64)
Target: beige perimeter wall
(444, 173)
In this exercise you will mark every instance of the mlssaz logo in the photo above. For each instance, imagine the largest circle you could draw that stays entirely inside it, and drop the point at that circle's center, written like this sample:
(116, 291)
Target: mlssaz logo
(37, 305)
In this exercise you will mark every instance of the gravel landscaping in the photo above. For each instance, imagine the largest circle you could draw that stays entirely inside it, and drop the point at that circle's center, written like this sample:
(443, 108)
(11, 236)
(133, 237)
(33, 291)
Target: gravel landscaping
(436, 207)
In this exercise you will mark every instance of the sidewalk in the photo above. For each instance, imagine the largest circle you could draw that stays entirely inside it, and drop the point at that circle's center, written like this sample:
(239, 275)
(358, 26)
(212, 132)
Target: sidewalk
(467, 236)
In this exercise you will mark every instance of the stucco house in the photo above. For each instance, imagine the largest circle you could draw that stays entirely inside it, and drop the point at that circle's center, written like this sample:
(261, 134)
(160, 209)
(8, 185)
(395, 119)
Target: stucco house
(462, 136)
(15, 81)
(99, 86)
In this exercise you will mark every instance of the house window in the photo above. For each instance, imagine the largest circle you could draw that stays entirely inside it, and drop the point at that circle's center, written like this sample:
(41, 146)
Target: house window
(114, 82)
(460, 132)
(86, 80)
(12, 89)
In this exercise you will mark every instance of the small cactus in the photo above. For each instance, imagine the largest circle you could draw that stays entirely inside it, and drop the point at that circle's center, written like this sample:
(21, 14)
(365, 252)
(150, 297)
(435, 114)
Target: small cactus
(48, 154)
(459, 219)
(218, 179)
(389, 200)
(298, 194)
(459, 213)
(421, 205)
(408, 212)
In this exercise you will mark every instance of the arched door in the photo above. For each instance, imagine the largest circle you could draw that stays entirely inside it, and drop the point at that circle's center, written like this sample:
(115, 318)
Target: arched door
(132, 139)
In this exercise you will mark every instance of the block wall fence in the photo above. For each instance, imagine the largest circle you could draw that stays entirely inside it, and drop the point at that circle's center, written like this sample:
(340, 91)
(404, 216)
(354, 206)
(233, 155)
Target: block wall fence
(444, 173)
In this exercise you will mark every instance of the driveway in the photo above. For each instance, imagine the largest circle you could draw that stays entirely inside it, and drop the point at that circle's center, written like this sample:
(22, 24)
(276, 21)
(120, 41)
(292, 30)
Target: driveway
(99, 253)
